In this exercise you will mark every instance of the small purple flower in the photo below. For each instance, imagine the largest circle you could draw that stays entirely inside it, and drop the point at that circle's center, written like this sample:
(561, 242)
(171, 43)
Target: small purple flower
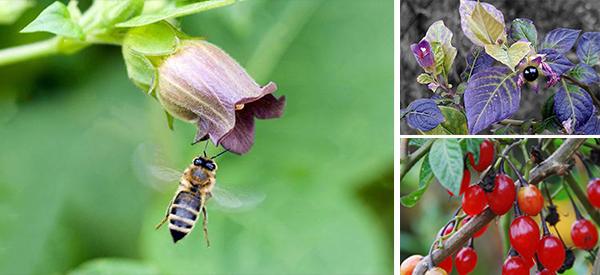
(553, 77)
(200, 83)
(423, 54)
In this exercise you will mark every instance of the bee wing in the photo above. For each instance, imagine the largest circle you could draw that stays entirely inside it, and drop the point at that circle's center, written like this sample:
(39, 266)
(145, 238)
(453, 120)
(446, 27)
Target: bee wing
(236, 200)
(149, 169)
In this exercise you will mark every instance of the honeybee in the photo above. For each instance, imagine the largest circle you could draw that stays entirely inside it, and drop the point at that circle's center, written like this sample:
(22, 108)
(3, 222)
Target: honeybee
(197, 184)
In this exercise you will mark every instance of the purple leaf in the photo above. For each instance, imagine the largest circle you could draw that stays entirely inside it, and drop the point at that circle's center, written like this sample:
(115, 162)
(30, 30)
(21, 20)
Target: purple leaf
(561, 39)
(572, 105)
(558, 62)
(491, 96)
(591, 127)
(585, 74)
(588, 48)
(423, 114)
(477, 60)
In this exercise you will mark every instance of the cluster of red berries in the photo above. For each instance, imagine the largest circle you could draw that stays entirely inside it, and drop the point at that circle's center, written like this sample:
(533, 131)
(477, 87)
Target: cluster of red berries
(528, 246)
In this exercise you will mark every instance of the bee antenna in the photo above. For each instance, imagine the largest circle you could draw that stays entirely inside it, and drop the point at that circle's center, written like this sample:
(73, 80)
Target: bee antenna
(205, 145)
(217, 155)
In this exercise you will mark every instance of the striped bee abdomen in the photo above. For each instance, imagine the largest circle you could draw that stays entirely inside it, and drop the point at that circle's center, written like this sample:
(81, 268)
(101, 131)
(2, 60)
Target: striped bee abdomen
(183, 214)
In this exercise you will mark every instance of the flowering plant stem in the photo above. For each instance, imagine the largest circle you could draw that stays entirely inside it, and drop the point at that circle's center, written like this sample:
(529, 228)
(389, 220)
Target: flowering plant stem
(30, 51)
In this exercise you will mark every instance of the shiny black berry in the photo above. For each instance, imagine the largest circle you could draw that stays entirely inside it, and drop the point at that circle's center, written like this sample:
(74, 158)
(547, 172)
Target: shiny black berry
(530, 73)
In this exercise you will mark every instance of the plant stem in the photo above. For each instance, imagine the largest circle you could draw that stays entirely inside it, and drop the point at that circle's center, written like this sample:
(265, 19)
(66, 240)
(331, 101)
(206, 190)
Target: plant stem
(407, 163)
(29, 51)
(582, 197)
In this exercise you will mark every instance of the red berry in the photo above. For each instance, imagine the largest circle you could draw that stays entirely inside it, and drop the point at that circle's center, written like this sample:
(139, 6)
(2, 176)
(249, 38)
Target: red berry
(545, 272)
(474, 200)
(464, 184)
(593, 192)
(478, 233)
(551, 252)
(502, 197)
(409, 264)
(524, 235)
(530, 200)
(584, 234)
(515, 265)
(486, 156)
(466, 259)
(448, 229)
(446, 264)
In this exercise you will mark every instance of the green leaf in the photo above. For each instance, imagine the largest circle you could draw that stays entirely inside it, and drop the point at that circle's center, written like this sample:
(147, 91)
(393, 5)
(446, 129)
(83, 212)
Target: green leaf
(485, 27)
(509, 56)
(472, 146)
(439, 57)
(139, 69)
(417, 142)
(175, 12)
(424, 79)
(454, 124)
(152, 40)
(425, 177)
(524, 29)
(55, 19)
(447, 165)
(438, 32)
(114, 266)
(9, 13)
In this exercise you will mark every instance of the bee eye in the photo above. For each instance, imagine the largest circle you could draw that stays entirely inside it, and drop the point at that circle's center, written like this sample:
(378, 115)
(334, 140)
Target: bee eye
(209, 165)
(198, 162)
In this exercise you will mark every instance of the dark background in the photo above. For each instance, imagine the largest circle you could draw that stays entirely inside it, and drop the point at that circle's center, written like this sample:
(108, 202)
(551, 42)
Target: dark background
(417, 16)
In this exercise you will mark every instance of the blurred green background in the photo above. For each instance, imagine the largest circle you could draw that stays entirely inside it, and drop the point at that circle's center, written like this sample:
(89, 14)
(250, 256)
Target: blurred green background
(69, 126)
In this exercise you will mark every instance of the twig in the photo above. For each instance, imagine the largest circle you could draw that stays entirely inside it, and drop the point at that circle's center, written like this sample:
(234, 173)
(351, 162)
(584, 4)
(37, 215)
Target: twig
(554, 164)
(407, 163)
(582, 197)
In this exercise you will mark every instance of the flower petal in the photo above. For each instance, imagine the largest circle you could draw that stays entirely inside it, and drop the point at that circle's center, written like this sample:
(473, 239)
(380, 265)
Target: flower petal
(241, 138)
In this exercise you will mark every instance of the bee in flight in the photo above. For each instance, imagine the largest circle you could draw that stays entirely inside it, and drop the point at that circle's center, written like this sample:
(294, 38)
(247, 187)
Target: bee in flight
(197, 185)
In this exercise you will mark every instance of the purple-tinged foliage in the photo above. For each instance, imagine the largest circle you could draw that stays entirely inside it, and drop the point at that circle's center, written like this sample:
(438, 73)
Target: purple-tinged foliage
(584, 74)
(558, 62)
(466, 9)
(423, 54)
(477, 60)
(423, 114)
(591, 127)
(523, 29)
(561, 39)
(572, 104)
(588, 48)
(491, 96)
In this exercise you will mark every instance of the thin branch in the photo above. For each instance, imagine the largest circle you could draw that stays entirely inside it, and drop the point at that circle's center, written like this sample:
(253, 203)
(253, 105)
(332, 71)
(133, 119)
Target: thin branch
(582, 197)
(407, 163)
(554, 164)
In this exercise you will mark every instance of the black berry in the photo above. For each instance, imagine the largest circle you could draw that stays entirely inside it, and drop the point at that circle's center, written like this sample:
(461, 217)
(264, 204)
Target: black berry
(530, 73)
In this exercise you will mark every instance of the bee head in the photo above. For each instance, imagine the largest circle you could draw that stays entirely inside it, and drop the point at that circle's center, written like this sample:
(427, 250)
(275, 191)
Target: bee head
(205, 163)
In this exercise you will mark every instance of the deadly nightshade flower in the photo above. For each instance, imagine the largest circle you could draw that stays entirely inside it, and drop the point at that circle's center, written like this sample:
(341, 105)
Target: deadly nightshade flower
(202, 84)
(423, 54)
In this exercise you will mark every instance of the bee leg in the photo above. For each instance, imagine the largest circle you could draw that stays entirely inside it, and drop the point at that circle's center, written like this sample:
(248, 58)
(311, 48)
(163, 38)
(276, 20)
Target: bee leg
(204, 225)
(165, 218)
